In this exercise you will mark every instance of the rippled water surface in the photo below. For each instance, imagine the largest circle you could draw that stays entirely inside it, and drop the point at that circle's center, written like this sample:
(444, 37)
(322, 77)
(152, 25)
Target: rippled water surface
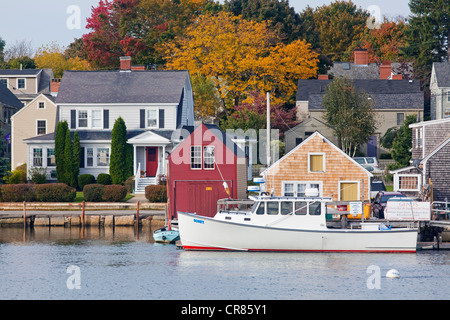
(120, 264)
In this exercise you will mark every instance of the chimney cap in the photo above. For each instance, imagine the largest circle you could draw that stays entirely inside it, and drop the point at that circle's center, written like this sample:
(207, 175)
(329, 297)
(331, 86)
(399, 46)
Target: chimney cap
(125, 58)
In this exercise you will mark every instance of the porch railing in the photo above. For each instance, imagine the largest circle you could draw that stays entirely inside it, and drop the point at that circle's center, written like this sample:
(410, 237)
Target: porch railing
(137, 177)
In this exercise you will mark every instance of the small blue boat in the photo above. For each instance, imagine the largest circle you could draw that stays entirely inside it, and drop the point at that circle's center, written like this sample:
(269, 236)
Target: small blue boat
(166, 236)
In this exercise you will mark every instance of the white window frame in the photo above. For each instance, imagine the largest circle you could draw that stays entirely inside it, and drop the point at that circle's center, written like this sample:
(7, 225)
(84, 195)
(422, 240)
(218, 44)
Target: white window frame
(196, 157)
(448, 96)
(147, 118)
(39, 105)
(350, 181)
(100, 119)
(79, 118)
(37, 127)
(34, 157)
(47, 155)
(397, 181)
(96, 156)
(296, 183)
(205, 157)
(24, 84)
(403, 120)
(309, 161)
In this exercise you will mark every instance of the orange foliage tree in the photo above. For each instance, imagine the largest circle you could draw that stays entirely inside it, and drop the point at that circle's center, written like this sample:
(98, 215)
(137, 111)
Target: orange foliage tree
(242, 56)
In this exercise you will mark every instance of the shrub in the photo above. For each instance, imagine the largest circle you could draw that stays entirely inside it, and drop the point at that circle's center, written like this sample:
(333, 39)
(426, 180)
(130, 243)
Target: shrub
(93, 192)
(54, 192)
(38, 175)
(129, 184)
(104, 178)
(85, 179)
(19, 175)
(156, 193)
(114, 193)
(17, 193)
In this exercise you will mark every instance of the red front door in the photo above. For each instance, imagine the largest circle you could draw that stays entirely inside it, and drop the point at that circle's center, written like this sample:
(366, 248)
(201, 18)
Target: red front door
(152, 161)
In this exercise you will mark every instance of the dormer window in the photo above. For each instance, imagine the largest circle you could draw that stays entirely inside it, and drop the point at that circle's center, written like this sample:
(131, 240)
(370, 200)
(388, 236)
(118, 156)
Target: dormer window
(20, 83)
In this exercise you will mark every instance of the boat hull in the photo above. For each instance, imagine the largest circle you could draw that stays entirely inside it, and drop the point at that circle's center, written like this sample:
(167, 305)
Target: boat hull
(203, 233)
(166, 236)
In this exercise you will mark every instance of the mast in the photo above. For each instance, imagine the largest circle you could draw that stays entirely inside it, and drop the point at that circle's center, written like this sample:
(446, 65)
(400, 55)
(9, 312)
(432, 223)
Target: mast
(268, 131)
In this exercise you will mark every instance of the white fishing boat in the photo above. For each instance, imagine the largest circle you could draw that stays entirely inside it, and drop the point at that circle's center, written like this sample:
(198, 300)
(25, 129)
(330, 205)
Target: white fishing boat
(288, 224)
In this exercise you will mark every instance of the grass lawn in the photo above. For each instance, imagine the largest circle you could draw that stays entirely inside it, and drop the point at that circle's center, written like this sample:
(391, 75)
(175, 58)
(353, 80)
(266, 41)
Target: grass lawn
(80, 197)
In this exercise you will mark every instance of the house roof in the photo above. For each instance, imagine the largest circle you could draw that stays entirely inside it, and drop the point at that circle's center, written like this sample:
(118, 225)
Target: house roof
(8, 98)
(387, 94)
(370, 71)
(305, 142)
(224, 137)
(84, 135)
(442, 71)
(122, 87)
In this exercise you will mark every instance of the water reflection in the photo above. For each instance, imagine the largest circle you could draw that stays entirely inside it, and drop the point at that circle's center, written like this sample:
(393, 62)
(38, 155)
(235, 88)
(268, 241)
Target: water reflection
(74, 235)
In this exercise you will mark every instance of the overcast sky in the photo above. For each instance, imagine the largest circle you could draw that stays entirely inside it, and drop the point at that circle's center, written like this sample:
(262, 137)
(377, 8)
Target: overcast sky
(46, 21)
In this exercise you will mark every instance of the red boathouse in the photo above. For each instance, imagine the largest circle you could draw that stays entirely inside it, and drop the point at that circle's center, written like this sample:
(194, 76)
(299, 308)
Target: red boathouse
(198, 168)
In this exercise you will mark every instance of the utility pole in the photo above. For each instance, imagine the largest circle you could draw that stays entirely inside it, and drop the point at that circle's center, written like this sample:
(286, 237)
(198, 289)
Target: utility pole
(268, 131)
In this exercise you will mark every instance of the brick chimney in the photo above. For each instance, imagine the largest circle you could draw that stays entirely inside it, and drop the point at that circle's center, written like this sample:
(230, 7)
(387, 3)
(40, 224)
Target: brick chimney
(397, 77)
(125, 63)
(385, 70)
(361, 56)
(138, 68)
(322, 77)
(54, 86)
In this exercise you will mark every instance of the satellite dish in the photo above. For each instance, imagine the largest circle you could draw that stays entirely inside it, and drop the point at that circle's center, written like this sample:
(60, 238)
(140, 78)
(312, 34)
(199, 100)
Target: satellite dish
(416, 163)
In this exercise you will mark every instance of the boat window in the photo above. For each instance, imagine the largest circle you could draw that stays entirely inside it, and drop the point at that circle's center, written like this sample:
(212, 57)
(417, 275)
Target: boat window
(301, 208)
(315, 209)
(261, 208)
(272, 208)
(286, 207)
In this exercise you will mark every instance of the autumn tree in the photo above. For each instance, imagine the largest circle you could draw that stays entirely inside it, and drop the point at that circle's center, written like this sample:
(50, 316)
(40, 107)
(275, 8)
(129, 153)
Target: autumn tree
(52, 56)
(253, 115)
(332, 28)
(383, 43)
(207, 99)
(242, 56)
(350, 113)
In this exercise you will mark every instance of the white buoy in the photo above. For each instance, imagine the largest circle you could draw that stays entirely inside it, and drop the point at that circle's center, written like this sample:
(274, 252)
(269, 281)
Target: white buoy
(393, 273)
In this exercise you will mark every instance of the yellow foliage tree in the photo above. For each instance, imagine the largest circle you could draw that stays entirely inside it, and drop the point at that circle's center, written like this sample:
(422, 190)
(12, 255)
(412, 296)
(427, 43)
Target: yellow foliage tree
(52, 57)
(242, 56)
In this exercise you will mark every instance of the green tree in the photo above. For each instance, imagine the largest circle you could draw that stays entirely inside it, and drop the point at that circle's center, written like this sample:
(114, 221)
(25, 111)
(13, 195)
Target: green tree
(120, 165)
(402, 143)
(69, 177)
(60, 140)
(76, 157)
(350, 113)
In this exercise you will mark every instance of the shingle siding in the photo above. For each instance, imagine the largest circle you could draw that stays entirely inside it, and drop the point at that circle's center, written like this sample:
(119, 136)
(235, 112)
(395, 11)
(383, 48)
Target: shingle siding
(438, 168)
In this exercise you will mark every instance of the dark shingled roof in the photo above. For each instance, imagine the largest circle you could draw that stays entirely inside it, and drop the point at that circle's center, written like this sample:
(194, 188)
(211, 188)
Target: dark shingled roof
(442, 70)
(122, 87)
(8, 98)
(387, 94)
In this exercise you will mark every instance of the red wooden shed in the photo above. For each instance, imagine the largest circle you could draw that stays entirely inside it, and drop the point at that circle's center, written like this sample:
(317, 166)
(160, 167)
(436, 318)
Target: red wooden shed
(198, 168)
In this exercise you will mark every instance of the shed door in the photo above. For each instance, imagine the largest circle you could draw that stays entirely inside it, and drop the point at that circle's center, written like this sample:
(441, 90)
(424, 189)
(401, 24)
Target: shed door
(199, 196)
(349, 191)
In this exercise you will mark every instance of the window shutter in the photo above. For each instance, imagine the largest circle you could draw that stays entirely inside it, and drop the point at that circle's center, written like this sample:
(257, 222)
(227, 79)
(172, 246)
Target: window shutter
(73, 119)
(161, 118)
(106, 119)
(142, 111)
(82, 158)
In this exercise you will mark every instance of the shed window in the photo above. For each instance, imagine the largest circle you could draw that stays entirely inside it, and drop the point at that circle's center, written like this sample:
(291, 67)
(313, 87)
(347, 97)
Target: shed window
(316, 163)
(208, 157)
(289, 189)
(196, 157)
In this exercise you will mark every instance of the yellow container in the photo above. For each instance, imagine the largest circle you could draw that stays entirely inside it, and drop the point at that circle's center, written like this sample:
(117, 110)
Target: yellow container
(358, 216)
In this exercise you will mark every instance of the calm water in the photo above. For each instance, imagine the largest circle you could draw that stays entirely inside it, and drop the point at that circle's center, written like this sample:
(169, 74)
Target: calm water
(120, 264)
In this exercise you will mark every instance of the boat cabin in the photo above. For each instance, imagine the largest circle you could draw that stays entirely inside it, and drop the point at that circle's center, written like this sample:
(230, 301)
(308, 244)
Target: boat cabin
(281, 212)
